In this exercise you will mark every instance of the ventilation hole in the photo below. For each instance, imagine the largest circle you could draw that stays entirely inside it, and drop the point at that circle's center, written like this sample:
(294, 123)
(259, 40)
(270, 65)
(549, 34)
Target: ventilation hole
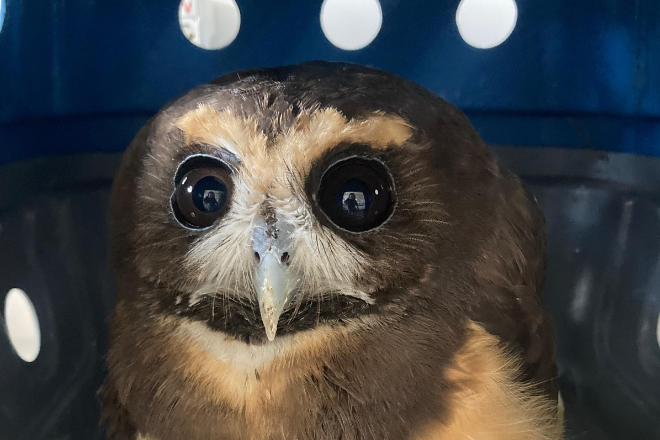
(22, 325)
(285, 258)
(485, 24)
(209, 24)
(657, 331)
(257, 256)
(2, 13)
(351, 24)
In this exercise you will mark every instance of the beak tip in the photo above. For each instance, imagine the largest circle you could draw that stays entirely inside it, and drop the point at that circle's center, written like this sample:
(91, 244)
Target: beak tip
(269, 317)
(271, 331)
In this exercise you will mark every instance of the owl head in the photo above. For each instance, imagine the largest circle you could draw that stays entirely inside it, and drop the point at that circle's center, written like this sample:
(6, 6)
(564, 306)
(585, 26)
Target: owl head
(273, 201)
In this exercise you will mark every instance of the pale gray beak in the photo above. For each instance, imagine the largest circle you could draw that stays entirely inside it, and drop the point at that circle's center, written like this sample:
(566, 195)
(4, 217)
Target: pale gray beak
(275, 281)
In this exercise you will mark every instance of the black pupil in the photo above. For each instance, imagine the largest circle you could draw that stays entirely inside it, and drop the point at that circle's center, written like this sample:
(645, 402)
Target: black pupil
(209, 194)
(357, 194)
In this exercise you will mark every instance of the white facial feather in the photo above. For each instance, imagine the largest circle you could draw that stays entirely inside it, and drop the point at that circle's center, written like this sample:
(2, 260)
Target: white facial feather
(239, 355)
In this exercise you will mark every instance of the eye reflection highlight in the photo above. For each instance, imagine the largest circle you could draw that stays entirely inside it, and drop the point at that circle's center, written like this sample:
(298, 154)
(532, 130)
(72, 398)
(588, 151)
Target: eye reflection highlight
(209, 194)
(354, 203)
(356, 196)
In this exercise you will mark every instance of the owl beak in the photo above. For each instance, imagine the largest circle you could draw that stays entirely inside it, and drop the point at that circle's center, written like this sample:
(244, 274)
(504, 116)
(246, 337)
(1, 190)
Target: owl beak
(275, 281)
(275, 285)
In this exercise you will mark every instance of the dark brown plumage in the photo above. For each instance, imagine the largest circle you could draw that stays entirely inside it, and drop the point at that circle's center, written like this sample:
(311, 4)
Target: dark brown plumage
(428, 326)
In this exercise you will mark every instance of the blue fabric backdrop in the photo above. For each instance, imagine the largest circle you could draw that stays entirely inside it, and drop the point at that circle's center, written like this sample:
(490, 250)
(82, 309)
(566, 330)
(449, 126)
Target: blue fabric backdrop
(83, 75)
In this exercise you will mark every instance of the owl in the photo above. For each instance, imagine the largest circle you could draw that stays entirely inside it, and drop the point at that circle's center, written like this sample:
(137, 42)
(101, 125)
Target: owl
(324, 251)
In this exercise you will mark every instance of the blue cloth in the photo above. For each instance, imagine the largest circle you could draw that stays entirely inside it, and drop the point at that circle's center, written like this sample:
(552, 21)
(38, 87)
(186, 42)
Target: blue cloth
(81, 76)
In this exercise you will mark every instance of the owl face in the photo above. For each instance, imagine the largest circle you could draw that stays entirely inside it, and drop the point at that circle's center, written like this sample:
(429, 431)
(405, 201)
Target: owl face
(264, 210)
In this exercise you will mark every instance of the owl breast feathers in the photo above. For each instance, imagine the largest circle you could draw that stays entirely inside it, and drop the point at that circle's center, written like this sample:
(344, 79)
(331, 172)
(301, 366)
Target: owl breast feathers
(324, 251)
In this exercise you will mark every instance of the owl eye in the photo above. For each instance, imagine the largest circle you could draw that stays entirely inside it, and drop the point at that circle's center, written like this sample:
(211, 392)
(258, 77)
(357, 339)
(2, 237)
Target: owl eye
(357, 194)
(202, 193)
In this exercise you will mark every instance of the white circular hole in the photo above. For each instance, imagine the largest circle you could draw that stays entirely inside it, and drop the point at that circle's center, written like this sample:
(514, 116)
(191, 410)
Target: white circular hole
(2, 13)
(351, 24)
(485, 24)
(22, 325)
(210, 24)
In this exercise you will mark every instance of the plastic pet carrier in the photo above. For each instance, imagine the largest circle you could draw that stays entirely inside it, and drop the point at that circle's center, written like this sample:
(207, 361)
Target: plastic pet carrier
(567, 92)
